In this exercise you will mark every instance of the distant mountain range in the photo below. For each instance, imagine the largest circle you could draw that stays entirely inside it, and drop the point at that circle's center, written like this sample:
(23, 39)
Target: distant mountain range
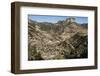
(62, 40)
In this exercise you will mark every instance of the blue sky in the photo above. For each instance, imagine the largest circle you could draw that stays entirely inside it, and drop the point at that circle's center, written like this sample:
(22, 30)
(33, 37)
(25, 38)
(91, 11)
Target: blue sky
(54, 19)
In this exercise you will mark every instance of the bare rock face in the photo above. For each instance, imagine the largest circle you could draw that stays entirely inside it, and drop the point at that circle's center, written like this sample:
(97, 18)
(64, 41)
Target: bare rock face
(63, 40)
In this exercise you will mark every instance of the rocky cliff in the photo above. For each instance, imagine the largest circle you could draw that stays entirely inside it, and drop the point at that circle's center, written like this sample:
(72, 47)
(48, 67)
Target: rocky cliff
(61, 40)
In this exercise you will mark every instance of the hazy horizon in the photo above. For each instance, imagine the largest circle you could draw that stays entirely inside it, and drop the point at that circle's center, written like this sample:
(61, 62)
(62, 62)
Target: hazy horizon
(55, 19)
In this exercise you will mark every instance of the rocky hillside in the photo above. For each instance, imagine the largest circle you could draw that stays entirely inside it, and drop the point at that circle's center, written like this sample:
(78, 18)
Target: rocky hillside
(61, 40)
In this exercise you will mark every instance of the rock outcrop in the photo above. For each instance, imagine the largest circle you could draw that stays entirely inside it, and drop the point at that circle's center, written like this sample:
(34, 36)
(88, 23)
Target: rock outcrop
(63, 40)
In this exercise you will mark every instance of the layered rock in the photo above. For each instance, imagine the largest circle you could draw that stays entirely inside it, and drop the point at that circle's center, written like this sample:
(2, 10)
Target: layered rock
(63, 40)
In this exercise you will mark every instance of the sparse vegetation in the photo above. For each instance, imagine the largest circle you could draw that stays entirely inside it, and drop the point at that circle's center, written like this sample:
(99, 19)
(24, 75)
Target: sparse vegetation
(62, 40)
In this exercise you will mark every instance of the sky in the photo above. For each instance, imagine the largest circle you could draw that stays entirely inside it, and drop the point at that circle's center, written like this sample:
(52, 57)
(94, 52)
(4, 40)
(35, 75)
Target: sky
(54, 19)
